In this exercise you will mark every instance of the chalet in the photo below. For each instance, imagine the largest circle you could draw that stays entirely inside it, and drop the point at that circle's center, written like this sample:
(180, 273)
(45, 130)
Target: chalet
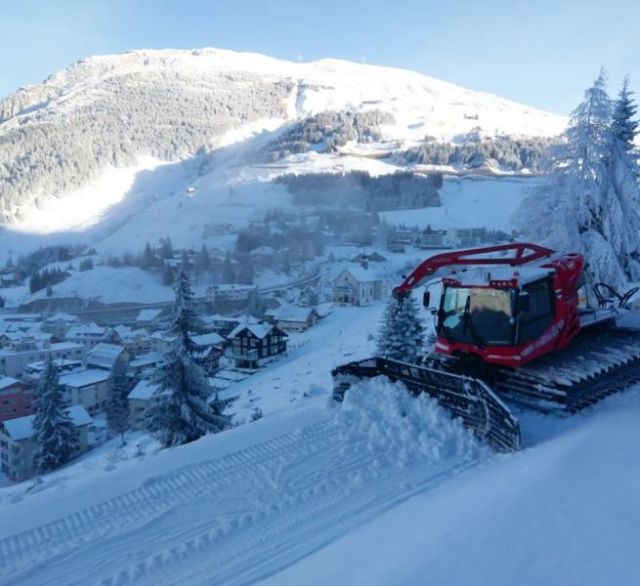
(88, 388)
(356, 285)
(17, 446)
(293, 319)
(148, 318)
(8, 280)
(253, 343)
(210, 349)
(16, 398)
(104, 356)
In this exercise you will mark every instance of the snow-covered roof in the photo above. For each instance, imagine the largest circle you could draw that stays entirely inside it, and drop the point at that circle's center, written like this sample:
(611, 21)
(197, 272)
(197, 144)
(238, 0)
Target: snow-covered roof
(262, 250)
(143, 391)
(84, 378)
(212, 339)
(361, 274)
(90, 329)
(148, 315)
(21, 428)
(7, 381)
(61, 316)
(293, 314)
(104, 355)
(258, 330)
(146, 360)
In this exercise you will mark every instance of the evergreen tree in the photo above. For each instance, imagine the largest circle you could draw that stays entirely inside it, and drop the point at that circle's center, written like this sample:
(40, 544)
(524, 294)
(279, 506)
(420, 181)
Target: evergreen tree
(166, 248)
(590, 203)
(401, 336)
(181, 412)
(623, 125)
(148, 259)
(54, 434)
(117, 407)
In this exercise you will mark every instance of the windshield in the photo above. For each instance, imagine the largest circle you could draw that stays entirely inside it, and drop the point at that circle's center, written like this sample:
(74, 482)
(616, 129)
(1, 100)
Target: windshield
(477, 315)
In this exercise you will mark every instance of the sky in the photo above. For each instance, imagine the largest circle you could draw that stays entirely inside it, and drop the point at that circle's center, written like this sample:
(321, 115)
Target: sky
(542, 53)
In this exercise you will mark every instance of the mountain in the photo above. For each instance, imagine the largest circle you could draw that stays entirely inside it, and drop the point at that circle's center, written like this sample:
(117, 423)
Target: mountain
(98, 135)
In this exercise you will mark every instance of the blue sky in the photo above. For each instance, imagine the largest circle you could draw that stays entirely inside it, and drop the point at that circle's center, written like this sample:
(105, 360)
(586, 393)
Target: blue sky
(543, 53)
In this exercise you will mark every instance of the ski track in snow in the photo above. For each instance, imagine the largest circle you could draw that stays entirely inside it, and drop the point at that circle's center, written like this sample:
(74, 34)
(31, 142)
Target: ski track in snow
(231, 520)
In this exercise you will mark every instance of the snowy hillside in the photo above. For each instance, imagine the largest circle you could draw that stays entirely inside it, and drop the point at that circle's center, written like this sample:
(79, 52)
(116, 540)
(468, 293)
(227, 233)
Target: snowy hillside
(384, 489)
(105, 139)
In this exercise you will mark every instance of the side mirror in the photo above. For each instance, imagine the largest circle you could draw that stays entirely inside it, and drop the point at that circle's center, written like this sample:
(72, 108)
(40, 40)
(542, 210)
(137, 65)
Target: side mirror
(426, 298)
(524, 302)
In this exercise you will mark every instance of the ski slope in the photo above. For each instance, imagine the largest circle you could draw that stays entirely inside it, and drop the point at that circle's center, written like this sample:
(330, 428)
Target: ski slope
(239, 516)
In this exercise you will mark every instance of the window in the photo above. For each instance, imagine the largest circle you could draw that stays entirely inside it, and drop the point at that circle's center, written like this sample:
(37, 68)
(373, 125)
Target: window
(534, 322)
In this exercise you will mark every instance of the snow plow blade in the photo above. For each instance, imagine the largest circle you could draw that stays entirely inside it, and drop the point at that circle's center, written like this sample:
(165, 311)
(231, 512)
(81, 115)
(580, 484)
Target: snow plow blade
(465, 397)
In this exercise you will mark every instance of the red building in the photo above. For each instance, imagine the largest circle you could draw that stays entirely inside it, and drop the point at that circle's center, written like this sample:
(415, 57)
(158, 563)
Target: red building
(15, 398)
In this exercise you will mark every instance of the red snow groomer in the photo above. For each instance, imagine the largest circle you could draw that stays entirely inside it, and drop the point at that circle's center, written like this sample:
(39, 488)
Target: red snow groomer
(510, 323)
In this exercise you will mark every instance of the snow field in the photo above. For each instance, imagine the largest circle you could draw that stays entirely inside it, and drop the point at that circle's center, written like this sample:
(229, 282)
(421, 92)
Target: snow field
(242, 516)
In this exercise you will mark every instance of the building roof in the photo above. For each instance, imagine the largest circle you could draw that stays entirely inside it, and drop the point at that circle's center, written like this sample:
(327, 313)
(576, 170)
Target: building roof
(90, 329)
(260, 331)
(361, 274)
(84, 378)
(148, 315)
(212, 339)
(61, 316)
(149, 359)
(7, 381)
(144, 390)
(21, 428)
(293, 314)
(104, 355)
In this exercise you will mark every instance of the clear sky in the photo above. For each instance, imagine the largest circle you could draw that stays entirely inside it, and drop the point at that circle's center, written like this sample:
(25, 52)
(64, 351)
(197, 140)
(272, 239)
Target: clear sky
(542, 53)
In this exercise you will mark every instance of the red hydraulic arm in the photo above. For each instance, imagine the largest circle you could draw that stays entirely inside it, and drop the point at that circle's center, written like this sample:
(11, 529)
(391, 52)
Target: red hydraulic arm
(522, 253)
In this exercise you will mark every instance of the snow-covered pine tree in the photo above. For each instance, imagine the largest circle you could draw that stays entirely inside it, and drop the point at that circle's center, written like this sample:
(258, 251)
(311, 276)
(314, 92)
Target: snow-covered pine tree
(589, 204)
(181, 412)
(117, 407)
(54, 434)
(401, 336)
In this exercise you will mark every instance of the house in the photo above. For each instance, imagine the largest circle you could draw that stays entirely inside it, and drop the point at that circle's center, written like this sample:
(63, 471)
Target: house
(253, 343)
(17, 446)
(357, 285)
(221, 324)
(89, 335)
(33, 371)
(293, 319)
(16, 398)
(144, 394)
(136, 342)
(105, 356)
(148, 318)
(143, 366)
(210, 349)
(14, 359)
(8, 280)
(88, 388)
(364, 257)
(229, 293)
(58, 324)
(162, 342)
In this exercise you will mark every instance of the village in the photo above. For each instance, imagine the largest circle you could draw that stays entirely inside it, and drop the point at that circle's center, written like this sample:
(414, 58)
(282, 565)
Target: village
(230, 349)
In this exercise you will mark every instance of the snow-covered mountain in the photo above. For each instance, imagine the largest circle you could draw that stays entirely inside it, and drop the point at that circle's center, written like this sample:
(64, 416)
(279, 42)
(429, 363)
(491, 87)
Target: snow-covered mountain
(119, 137)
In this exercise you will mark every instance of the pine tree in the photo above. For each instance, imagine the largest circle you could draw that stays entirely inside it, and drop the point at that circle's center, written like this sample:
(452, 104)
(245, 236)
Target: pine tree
(166, 249)
(181, 412)
(148, 259)
(401, 336)
(204, 260)
(54, 434)
(623, 125)
(590, 203)
(117, 407)
(168, 278)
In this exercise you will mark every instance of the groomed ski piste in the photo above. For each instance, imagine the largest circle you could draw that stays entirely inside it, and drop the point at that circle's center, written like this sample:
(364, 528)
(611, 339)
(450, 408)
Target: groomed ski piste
(383, 489)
